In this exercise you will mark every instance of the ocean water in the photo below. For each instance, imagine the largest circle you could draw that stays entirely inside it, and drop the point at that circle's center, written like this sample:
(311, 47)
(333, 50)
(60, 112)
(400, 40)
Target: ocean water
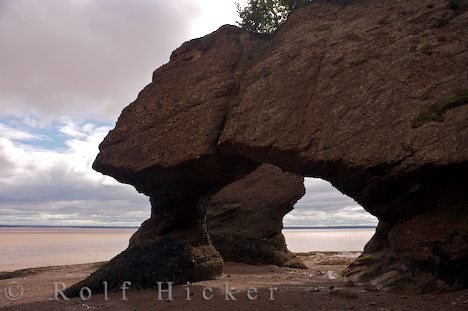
(37, 247)
(329, 240)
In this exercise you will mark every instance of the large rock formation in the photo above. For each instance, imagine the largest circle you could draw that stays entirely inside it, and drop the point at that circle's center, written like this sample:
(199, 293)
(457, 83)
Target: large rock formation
(369, 95)
(164, 144)
(172, 246)
(238, 225)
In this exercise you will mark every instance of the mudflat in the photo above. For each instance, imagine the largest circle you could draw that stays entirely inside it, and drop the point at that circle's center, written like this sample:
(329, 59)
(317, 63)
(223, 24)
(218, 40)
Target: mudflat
(319, 287)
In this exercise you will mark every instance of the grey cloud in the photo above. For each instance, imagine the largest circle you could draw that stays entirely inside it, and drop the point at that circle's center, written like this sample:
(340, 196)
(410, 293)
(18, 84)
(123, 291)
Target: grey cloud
(58, 183)
(66, 189)
(84, 57)
(86, 212)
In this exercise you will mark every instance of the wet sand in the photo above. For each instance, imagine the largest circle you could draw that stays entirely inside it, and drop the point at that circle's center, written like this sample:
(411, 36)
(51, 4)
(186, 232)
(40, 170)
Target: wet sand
(317, 288)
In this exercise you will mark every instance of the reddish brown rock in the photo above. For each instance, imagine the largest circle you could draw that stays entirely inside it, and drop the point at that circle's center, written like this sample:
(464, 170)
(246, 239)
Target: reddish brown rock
(239, 227)
(159, 143)
(358, 105)
(172, 246)
(171, 130)
(369, 95)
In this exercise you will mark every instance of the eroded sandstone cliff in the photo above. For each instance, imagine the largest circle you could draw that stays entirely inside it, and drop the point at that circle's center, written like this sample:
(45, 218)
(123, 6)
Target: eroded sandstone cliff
(369, 95)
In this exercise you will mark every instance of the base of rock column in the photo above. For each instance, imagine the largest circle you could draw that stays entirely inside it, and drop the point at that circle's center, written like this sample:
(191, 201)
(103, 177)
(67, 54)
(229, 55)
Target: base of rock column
(163, 260)
(172, 246)
(267, 251)
(427, 253)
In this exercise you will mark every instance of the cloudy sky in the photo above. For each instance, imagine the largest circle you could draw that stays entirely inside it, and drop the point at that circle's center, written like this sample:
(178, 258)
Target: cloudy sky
(67, 68)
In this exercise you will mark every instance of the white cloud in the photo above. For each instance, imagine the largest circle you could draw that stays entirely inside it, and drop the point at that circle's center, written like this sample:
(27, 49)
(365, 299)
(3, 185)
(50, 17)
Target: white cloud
(213, 14)
(58, 186)
(14, 134)
(44, 186)
(324, 205)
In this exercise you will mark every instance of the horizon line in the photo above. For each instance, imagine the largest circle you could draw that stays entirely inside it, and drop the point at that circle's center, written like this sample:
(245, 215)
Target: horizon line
(136, 227)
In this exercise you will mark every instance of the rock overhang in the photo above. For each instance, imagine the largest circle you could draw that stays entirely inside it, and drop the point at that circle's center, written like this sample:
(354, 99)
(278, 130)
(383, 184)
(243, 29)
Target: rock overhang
(336, 101)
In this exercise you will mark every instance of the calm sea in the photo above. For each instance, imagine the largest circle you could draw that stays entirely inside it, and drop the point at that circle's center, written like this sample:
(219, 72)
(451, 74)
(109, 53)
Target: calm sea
(37, 247)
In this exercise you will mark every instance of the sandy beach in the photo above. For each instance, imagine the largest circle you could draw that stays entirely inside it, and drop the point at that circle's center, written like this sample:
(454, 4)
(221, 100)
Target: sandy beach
(317, 288)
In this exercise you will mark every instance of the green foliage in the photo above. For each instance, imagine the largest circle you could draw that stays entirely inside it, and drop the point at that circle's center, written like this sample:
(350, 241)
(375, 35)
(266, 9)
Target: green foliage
(436, 112)
(265, 16)
(262, 16)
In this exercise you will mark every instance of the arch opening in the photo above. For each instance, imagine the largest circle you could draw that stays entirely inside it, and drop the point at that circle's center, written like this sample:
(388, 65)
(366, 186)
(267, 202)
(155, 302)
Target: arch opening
(325, 219)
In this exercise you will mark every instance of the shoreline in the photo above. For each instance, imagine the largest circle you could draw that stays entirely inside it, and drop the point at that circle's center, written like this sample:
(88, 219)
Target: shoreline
(31, 270)
(318, 287)
(24, 272)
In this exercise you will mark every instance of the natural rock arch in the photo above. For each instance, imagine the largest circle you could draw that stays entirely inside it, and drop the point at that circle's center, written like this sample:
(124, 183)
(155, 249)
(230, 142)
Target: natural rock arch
(375, 108)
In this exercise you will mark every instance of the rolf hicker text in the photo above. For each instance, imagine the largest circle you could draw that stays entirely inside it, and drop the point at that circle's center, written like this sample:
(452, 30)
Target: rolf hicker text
(164, 291)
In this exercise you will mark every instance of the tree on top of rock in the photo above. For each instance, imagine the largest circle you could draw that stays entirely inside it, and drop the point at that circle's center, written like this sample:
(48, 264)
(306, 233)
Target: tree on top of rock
(265, 16)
